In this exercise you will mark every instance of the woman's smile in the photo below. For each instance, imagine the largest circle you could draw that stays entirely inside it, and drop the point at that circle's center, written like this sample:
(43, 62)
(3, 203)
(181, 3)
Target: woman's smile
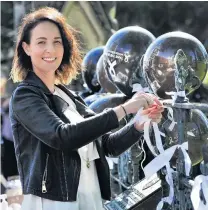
(49, 59)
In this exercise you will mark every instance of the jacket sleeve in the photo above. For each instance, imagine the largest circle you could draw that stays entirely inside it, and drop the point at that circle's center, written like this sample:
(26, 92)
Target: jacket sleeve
(31, 110)
(114, 144)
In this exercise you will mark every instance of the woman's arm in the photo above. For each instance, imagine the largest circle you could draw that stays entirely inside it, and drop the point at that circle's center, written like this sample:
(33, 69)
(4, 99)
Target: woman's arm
(30, 110)
(118, 142)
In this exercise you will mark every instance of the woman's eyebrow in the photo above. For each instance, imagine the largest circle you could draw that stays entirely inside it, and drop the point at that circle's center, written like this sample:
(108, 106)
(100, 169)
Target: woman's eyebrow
(41, 38)
(46, 38)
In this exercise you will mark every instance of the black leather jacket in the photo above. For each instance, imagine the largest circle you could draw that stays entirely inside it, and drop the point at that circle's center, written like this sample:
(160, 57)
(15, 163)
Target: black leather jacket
(46, 143)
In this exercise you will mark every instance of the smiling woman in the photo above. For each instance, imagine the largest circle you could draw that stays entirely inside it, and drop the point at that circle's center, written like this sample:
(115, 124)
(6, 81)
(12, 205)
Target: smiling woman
(45, 38)
(45, 50)
(60, 144)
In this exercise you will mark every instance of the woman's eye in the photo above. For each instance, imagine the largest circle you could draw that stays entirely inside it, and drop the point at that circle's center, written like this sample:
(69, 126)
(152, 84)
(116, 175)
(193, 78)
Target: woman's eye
(58, 42)
(42, 42)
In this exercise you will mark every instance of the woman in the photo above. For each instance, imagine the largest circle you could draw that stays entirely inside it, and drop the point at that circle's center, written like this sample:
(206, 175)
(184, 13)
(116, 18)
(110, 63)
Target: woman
(60, 143)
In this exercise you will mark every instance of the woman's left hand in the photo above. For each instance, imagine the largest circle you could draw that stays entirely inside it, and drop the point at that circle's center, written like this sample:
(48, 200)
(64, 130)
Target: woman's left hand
(154, 112)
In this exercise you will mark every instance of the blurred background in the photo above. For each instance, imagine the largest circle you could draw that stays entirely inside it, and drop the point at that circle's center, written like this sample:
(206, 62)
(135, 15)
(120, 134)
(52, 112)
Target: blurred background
(96, 21)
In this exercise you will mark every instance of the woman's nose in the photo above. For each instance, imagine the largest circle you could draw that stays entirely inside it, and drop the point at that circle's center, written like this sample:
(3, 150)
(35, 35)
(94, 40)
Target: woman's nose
(50, 48)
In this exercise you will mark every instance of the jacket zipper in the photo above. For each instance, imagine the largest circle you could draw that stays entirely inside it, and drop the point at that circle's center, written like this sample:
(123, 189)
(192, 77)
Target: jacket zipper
(67, 196)
(44, 190)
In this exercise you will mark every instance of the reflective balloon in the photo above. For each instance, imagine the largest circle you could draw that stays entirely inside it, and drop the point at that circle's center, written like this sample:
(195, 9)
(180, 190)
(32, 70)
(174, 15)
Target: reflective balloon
(85, 93)
(206, 44)
(175, 60)
(205, 81)
(103, 79)
(196, 133)
(77, 84)
(195, 144)
(108, 101)
(200, 96)
(90, 99)
(89, 68)
(122, 57)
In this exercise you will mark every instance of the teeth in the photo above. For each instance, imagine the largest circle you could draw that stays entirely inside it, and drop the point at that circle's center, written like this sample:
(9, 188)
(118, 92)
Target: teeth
(49, 59)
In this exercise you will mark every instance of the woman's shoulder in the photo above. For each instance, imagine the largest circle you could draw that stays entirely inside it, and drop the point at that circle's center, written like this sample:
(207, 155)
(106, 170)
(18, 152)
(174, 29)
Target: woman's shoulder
(24, 91)
(27, 96)
(23, 87)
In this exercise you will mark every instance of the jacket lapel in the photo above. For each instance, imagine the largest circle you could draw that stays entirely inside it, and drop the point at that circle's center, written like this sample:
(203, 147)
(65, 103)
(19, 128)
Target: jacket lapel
(59, 103)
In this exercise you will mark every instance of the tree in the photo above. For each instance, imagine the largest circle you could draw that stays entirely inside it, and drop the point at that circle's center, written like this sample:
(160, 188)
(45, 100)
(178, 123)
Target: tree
(163, 17)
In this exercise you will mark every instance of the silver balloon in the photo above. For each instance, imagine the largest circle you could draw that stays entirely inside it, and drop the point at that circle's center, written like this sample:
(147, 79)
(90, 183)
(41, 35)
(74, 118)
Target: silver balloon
(89, 68)
(122, 56)
(174, 60)
(103, 79)
(196, 133)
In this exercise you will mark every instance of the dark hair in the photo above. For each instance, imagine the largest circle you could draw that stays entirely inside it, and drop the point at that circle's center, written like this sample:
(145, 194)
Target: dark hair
(71, 61)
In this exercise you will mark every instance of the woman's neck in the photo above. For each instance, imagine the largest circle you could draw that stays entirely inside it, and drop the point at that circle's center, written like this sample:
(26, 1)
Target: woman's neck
(48, 79)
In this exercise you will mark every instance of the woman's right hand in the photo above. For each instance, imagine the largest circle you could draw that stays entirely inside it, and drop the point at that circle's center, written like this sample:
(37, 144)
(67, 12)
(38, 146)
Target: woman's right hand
(133, 105)
(138, 101)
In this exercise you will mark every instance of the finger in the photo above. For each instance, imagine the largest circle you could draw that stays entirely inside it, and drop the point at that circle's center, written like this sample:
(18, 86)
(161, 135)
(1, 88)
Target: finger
(153, 107)
(156, 108)
(155, 111)
(161, 108)
(152, 113)
(149, 100)
(157, 101)
(155, 117)
(146, 111)
(152, 116)
(145, 104)
(157, 120)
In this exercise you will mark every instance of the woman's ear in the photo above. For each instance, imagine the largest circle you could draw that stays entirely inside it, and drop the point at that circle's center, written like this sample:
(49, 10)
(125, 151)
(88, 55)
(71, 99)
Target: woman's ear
(26, 48)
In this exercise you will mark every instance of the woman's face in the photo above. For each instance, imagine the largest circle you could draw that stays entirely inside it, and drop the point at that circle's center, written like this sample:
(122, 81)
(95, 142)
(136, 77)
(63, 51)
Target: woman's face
(46, 48)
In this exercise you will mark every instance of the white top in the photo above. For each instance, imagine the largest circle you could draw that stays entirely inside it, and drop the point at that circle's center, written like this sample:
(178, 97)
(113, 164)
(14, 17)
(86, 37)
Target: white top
(88, 195)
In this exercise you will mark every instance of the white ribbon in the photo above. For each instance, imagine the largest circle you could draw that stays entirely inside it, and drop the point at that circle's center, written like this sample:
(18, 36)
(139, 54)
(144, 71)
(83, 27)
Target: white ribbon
(175, 94)
(161, 160)
(145, 119)
(190, 133)
(170, 110)
(169, 180)
(171, 118)
(200, 183)
(165, 155)
(168, 176)
(138, 88)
